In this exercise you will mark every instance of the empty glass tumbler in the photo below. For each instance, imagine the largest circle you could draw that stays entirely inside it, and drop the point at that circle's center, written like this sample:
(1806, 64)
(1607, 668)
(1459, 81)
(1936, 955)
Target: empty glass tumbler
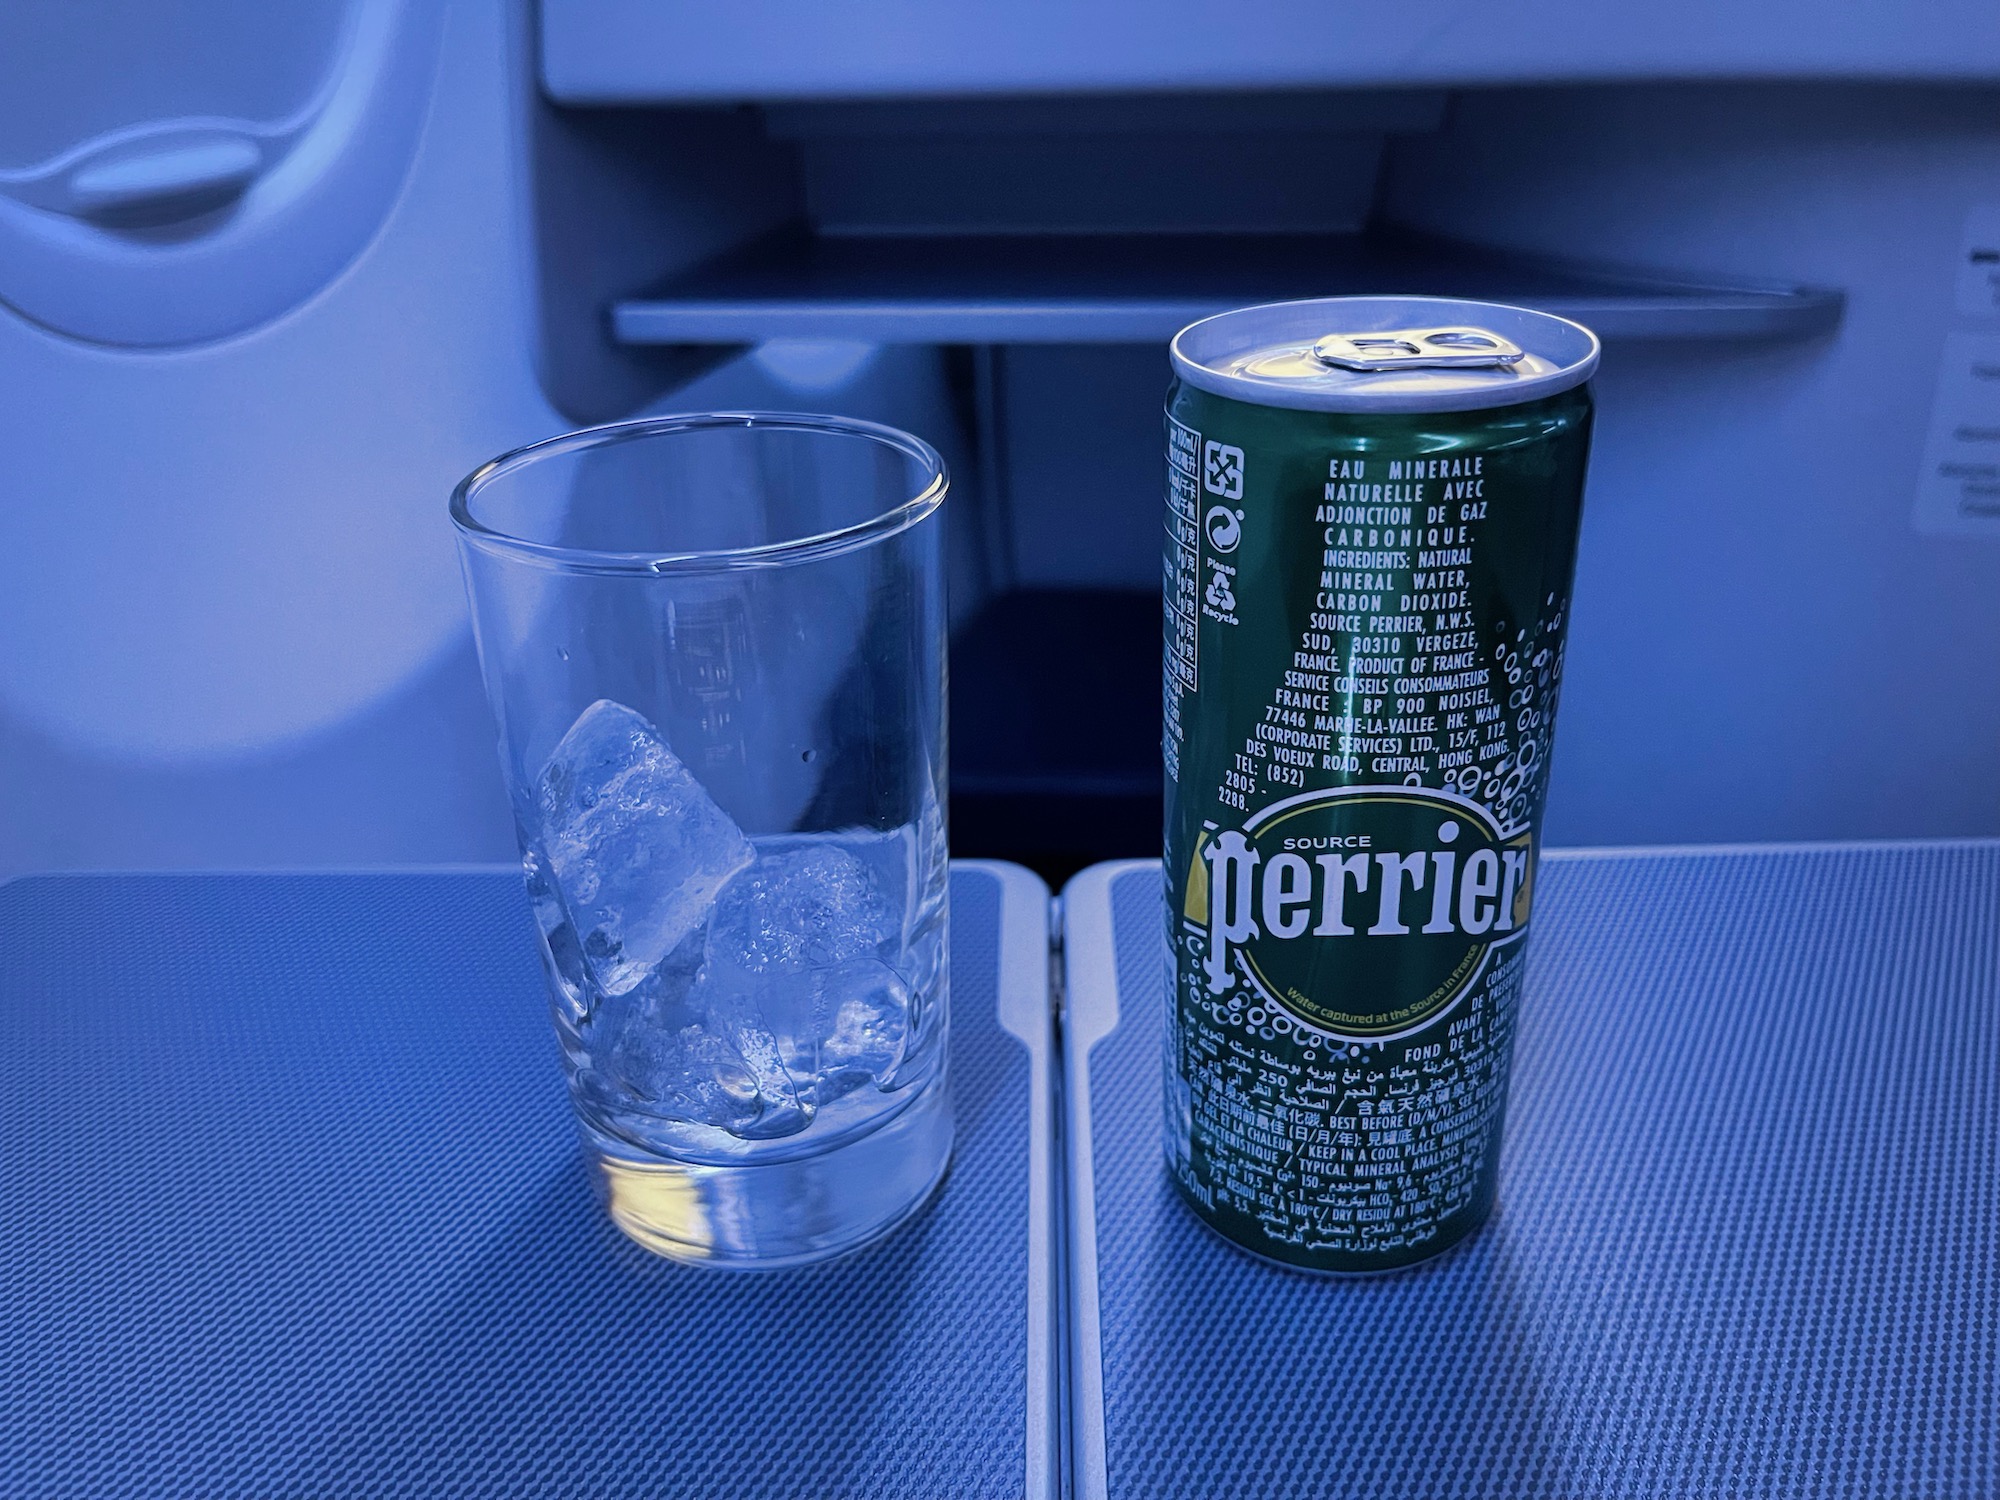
(714, 646)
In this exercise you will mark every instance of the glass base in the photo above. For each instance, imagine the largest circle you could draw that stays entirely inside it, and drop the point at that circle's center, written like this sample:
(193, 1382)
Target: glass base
(769, 1215)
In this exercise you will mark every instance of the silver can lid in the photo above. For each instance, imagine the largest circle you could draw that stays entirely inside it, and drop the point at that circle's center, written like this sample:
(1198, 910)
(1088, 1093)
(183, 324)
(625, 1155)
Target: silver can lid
(1385, 354)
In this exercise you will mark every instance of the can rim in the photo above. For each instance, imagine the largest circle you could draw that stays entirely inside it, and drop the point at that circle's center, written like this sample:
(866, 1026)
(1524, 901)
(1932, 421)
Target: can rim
(1570, 346)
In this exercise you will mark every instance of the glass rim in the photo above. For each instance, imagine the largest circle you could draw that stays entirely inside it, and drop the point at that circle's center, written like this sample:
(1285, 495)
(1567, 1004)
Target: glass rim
(653, 564)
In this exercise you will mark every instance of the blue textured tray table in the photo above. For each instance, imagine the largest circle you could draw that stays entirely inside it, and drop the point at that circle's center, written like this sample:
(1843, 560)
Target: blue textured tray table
(291, 1205)
(1746, 1235)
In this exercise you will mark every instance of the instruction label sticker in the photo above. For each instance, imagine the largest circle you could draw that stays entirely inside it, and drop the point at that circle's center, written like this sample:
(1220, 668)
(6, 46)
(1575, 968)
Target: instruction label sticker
(1959, 491)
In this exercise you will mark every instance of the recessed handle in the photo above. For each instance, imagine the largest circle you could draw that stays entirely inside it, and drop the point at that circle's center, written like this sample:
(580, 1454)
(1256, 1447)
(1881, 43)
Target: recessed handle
(162, 179)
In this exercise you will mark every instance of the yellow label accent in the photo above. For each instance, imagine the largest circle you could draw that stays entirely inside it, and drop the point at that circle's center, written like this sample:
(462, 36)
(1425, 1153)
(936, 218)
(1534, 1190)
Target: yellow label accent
(1524, 897)
(1196, 905)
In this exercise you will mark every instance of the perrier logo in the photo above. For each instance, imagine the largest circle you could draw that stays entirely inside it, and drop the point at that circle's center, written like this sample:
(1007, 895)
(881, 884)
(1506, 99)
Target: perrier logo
(1364, 910)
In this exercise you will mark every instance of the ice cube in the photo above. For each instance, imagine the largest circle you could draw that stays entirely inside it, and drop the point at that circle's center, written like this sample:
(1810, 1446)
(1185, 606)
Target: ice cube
(805, 904)
(783, 1108)
(638, 850)
(698, 1048)
(686, 1073)
(868, 1009)
(890, 858)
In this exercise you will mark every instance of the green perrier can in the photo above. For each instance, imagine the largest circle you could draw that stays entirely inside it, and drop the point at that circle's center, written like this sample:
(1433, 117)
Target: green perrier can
(1372, 508)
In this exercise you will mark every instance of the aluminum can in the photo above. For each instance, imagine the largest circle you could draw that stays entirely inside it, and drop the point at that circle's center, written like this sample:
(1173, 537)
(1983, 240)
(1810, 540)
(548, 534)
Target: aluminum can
(1372, 508)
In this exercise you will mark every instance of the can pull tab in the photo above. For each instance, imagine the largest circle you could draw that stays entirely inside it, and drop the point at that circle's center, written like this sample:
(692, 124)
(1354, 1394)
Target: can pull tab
(1418, 349)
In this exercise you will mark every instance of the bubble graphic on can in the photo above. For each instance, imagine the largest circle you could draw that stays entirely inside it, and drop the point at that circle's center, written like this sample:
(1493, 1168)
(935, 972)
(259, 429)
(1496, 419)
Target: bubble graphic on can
(1372, 508)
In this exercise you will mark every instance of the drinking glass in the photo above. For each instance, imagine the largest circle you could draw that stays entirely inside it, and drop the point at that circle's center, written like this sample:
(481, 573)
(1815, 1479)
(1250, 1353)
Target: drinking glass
(714, 646)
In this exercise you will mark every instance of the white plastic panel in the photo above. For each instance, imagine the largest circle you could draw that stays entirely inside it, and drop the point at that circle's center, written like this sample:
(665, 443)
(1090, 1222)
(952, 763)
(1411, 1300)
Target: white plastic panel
(1763, 646)
(601, 51)
(195, 205)
(70, 72)
(231, 624)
